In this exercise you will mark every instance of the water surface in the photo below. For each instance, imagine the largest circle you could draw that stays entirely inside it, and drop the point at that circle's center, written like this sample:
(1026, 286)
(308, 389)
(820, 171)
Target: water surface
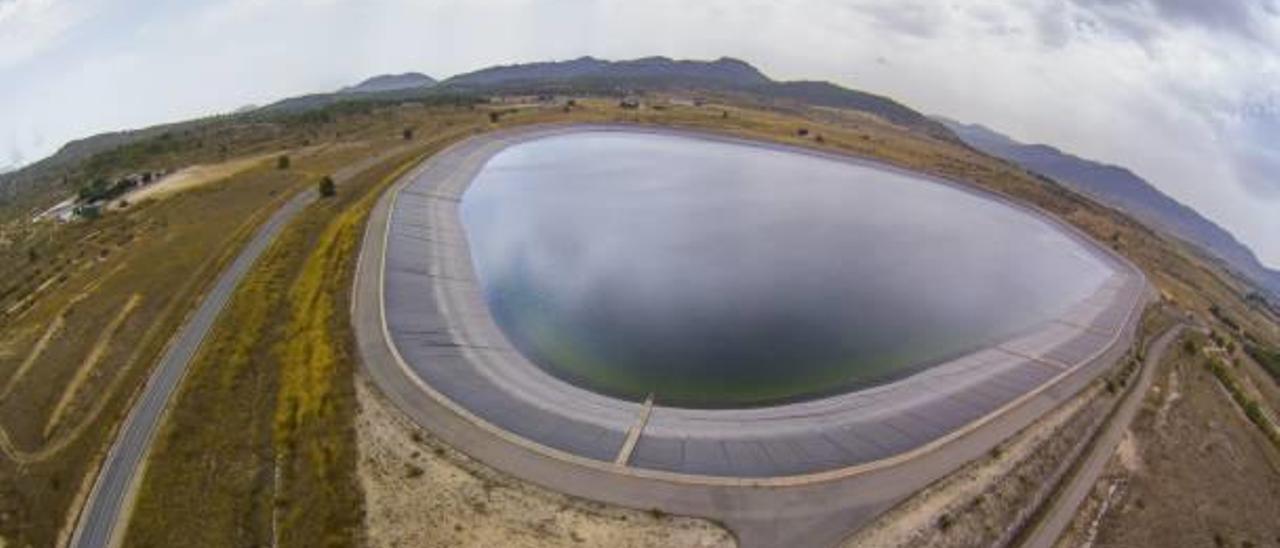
(716, 274)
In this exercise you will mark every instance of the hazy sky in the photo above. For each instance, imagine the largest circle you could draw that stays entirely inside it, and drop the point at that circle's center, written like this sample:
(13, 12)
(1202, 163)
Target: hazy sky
(1184, 92)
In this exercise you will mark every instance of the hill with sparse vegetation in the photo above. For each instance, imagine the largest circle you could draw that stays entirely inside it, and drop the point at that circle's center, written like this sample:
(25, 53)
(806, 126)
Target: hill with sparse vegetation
(391, 82)
(1122, 189)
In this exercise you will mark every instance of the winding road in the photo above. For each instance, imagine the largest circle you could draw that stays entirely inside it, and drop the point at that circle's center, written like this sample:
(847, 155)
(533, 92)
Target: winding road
(103, 517)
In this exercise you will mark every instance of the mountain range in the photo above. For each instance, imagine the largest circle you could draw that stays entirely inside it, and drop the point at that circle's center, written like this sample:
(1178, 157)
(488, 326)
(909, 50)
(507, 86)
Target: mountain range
(724, 72)
(588, 74)
(1122, 189)
(1111, 185)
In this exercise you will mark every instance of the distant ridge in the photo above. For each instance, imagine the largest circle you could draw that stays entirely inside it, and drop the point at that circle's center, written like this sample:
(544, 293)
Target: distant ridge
(1122, 189)
(391, 82)
(724, 71)
(725, 74)
(592, 75)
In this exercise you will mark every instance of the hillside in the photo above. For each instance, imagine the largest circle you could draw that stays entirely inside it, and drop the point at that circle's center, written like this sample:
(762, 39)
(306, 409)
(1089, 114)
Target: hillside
(660, 73)
(1120, 188)
(391, 82)
(47, 174)
(653, 70)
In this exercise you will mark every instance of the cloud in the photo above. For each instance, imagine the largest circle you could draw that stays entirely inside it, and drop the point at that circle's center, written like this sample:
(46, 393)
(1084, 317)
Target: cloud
(1252, 20)
(922, 19)
(29, 27)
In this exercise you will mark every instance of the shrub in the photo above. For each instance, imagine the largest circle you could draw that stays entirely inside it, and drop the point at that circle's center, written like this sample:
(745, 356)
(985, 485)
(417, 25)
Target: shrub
(326, 187)
(1268, 358)
(282, 162)
(408, 134)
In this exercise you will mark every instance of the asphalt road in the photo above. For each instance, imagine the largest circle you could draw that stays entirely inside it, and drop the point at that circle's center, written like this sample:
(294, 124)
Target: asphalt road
(1065, 504)
(819, 513)
(103, 518)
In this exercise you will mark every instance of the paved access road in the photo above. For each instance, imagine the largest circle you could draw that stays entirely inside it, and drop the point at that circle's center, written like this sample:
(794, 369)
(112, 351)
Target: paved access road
(103, 518)
(807, 512)
(1063, 507)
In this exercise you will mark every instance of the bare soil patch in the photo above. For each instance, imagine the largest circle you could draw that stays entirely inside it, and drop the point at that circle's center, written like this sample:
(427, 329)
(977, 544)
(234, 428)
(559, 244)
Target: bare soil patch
(1207, 475)
(194, 176)
(980, 504)
(419, 492)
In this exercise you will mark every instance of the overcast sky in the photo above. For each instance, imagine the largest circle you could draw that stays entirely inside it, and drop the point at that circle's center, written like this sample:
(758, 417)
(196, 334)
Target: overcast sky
(1184, 92)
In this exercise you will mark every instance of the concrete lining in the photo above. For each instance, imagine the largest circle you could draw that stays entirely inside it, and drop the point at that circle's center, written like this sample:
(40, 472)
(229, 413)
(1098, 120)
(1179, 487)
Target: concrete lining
(438, 324)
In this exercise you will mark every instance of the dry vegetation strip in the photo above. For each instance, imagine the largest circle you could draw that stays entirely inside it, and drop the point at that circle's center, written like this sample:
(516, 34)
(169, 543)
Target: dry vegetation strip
(277, 464)
(86, 367)
(314, 435)
(1251, 408)
(34, 354)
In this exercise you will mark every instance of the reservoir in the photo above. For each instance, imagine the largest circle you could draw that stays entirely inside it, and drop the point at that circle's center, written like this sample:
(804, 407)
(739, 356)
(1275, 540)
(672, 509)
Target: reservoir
(722, 274)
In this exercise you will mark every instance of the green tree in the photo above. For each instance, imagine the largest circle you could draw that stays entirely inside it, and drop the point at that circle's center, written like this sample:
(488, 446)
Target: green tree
(326, 187)
(282, 162)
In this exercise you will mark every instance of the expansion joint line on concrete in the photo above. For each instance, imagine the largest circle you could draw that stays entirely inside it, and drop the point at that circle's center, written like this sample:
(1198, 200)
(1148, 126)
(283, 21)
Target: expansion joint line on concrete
(1047, 361)
(633, 435)
(1088, 328)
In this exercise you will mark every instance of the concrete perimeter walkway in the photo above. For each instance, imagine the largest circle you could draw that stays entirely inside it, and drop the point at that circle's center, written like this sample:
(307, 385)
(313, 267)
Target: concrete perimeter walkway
(797, 474)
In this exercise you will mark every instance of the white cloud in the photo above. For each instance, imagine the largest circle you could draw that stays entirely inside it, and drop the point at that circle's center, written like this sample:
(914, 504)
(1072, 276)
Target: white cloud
(29, 27)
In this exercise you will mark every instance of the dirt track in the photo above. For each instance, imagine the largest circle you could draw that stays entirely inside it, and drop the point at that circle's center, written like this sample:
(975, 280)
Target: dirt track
(1195, 472)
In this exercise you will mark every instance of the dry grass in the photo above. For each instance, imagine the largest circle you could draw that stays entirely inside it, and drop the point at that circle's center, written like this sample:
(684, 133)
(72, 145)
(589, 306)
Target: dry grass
(193, 177)
(420, 492)
(277, 466)
(1198, 473)
(168, 250)
(91, 361)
